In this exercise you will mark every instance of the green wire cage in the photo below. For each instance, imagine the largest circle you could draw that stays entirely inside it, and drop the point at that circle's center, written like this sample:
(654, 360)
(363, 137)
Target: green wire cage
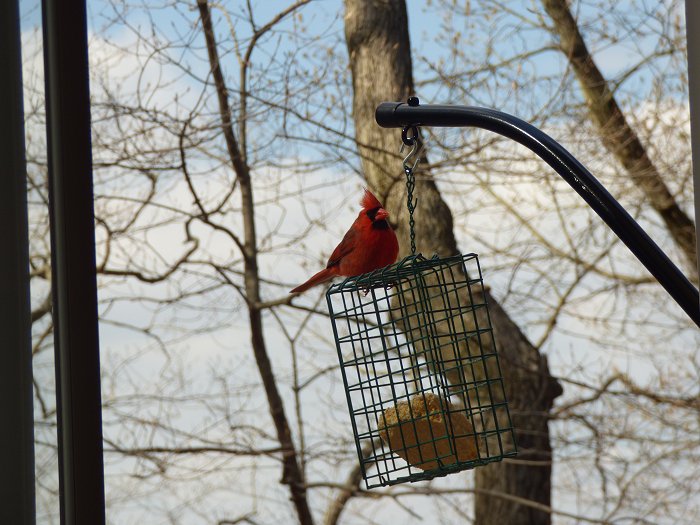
(420, 369)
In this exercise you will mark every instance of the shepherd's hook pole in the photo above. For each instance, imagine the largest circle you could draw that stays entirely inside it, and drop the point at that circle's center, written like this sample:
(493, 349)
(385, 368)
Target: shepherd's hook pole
(16, 390)
(400, 115)
(74, 289)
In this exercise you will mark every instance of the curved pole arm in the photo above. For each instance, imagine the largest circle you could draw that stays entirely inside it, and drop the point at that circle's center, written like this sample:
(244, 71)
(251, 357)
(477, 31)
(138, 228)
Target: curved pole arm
(400, 115)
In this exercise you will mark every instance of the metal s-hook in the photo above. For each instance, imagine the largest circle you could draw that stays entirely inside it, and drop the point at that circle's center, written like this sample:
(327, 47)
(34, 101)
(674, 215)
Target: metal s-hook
(414, 144)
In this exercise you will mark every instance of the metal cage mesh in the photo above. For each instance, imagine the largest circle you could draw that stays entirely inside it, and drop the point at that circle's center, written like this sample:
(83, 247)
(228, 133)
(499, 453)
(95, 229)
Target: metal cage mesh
(420, 369)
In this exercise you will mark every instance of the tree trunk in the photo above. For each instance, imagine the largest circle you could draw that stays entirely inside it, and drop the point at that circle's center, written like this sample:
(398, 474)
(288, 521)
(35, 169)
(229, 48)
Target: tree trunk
(616, 133)
(380, 60)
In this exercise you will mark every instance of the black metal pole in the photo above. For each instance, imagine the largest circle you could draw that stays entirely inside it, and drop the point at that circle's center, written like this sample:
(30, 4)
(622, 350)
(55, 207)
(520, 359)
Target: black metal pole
(399, 115)
(73, 263)
(692, 32)
(16, 395)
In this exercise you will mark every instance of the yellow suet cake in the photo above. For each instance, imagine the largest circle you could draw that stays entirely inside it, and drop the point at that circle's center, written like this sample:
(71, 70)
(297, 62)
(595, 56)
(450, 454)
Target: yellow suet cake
(422, 432)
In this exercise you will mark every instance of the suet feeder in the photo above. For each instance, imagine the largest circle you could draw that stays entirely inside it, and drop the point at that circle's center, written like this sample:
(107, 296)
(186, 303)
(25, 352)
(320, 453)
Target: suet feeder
(419, 366)
(420, 369)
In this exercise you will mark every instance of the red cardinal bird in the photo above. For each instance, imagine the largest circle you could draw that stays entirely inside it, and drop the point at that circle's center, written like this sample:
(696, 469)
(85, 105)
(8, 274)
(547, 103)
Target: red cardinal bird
(370, 243)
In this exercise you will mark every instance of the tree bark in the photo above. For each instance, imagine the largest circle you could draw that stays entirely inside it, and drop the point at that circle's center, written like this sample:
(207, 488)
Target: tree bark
(380, 60)
(617, 135)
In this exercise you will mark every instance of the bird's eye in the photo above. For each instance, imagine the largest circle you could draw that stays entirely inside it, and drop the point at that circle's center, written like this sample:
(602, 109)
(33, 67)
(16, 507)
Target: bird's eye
(372, 213)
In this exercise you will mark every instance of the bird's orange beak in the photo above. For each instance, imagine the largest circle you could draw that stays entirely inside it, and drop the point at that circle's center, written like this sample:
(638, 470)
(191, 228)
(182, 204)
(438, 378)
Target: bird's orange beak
(381, 214)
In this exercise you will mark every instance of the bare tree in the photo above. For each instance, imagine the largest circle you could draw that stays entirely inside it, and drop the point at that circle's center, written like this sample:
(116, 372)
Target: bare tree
(617, 134)
(291, 474)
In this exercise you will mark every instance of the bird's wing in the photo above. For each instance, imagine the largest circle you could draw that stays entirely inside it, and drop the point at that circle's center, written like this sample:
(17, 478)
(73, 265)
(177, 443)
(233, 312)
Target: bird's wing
(345, 247)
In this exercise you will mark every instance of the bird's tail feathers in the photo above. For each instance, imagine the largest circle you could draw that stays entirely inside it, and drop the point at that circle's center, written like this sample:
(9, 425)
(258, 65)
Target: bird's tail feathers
(323, 276)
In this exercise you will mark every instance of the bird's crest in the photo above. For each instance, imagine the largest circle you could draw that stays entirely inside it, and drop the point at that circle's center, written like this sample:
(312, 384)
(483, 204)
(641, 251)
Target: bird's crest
(369, 201)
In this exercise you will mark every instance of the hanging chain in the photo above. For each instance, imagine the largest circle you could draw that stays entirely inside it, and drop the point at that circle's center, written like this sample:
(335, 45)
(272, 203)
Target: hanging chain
(411, 141)
(410, 204)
